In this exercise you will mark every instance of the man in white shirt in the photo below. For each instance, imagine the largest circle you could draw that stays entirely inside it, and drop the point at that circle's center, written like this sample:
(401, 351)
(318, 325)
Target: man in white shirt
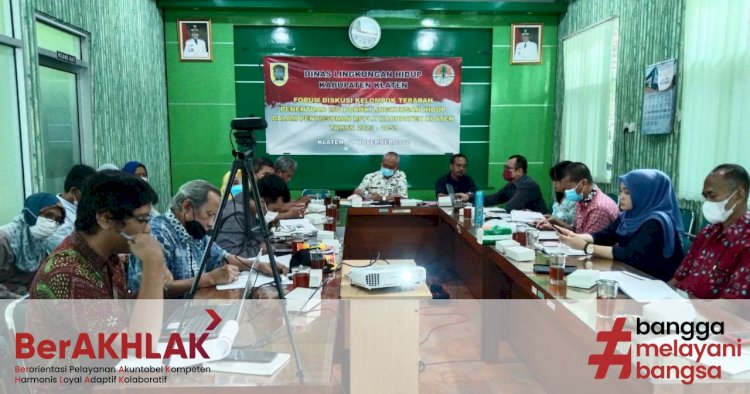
(386, 183)
(195, 46)
(74, 181)
(526, 50)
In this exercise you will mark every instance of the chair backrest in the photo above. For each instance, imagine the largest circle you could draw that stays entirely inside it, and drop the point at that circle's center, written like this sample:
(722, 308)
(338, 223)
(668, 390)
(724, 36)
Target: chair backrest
(688, 220)
(311, 192)
(15, 315)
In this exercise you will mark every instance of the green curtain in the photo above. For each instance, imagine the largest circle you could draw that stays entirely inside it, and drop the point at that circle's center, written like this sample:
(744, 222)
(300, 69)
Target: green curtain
(590, 73)
(715, 93)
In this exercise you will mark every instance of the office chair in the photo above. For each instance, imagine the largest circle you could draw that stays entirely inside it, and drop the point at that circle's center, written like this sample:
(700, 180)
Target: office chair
(688, 221)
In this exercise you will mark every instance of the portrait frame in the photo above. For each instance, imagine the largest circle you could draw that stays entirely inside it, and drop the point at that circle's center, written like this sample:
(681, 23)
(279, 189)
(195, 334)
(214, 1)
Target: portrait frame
(195, 49)
(523, 52)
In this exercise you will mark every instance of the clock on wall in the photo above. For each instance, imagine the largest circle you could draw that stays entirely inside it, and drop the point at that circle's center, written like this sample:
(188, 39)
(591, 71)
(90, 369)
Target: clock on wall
(364, 32)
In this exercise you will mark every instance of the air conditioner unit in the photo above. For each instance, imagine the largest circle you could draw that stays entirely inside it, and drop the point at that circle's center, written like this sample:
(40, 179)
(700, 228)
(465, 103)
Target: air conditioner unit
(381, 276)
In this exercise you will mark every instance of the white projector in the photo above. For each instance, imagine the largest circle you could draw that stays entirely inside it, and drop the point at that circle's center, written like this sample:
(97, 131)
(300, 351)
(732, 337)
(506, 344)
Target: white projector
(380, 276)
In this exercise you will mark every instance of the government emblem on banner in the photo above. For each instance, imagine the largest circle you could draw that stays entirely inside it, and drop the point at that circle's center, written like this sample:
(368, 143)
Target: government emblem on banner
(443, 75)
(279, 73)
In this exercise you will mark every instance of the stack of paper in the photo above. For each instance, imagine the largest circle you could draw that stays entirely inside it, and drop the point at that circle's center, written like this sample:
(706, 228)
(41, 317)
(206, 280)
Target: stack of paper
(639, 288)
(525, 216)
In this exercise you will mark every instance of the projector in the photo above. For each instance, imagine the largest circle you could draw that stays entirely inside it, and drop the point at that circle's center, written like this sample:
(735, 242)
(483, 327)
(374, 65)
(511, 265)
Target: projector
(381, 276)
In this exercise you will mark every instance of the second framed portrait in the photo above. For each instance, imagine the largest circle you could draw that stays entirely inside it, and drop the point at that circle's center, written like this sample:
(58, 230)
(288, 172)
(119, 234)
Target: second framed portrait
(195, 40)
(526, 43)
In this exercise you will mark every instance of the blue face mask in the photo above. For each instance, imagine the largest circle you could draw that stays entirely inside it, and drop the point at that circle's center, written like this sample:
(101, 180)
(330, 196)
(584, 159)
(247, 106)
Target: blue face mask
(235, 190)
(571, 195)
(387, 172)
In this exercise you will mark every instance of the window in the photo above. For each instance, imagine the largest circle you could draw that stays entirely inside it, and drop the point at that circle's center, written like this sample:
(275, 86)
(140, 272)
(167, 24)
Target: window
(590, 74)
(13, 191)
(63, 101)
(715, 99)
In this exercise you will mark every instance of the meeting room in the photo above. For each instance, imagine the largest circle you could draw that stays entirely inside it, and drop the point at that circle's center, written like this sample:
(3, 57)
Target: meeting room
(525, 196)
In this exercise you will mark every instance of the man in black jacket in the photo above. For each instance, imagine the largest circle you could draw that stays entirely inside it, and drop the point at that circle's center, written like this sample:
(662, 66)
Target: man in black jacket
(521, 192)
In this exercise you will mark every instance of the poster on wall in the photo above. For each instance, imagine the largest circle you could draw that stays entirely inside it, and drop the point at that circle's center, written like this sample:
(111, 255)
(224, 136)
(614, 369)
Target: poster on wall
(362, 105)
(659, 97)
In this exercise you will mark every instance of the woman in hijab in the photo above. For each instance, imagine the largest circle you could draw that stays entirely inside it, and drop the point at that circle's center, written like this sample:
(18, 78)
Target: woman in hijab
(236, 186)
(137, 169)
(647, 233)
(23, 243)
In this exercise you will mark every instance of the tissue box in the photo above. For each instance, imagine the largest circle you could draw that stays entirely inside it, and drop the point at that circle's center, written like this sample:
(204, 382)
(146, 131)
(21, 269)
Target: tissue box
(583, 279)
(520, 253)
(506, 243)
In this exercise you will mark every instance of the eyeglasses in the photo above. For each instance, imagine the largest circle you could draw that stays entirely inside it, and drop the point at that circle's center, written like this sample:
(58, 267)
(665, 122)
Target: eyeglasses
(143, 219)
(509, 168)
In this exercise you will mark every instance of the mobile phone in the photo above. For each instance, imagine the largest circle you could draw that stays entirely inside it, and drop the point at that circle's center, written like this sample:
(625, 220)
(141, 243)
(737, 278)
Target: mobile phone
(251, 356)
(558, 229)
(544, 269)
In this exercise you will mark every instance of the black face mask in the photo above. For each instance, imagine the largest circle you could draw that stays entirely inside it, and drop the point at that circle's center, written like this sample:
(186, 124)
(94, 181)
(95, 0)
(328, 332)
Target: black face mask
(195, 229)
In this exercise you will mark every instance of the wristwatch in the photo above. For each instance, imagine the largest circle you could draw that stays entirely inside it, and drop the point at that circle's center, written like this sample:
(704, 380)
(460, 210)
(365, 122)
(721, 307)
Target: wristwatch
(588, 250)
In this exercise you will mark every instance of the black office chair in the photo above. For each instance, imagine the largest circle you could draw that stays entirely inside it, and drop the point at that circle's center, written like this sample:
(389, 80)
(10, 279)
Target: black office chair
(688, 221)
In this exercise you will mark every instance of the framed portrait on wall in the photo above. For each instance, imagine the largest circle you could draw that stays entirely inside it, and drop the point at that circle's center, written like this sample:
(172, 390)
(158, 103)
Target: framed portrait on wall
(526, 43)
(195, 40)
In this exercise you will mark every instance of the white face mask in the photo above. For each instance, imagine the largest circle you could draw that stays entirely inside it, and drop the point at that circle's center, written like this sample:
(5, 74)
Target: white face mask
(716, 212)
(43, 228)
(145, 178)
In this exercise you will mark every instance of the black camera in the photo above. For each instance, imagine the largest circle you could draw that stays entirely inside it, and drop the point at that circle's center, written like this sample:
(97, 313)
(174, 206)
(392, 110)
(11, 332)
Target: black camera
(244, 129)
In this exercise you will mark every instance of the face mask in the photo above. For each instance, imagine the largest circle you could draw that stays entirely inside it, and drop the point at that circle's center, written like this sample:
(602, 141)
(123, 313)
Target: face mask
(235, 190)
(195, 229)
(43, 228)
(145, 179)
(716, 212)
(387, 172)
(571, 195)
(507, 176)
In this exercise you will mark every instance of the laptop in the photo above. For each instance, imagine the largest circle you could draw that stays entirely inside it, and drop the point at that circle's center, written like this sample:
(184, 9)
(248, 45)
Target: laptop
(191, 318)
(451, 194)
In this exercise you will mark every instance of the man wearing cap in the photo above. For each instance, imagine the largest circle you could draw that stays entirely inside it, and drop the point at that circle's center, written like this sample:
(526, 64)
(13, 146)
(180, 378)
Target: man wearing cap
(195, 46)
(526, 50)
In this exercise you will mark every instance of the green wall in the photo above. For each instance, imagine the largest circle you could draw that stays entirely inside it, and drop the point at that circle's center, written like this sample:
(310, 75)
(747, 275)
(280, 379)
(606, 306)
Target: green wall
(650, 32)
(128, 87)
(202, 95)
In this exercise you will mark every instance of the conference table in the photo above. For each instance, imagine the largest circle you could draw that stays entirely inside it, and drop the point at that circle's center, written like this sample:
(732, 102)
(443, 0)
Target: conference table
(552, 328)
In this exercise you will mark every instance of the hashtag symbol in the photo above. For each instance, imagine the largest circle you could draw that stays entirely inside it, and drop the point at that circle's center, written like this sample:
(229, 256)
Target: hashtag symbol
(609, 357)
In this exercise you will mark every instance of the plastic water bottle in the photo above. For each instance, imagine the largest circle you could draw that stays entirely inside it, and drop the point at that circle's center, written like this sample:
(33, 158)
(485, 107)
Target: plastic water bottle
(479, 209)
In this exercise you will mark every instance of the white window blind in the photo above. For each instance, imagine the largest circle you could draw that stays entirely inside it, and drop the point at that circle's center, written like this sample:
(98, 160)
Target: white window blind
(715, 125)
(590, 74)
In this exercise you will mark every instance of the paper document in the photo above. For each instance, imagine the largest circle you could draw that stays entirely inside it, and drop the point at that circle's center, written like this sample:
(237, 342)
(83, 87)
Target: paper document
(564, 249)
(732, 365)
(548, 236)
(296, 225)
(264, 369)
(641, 289)
(525, 216)
(256, 279)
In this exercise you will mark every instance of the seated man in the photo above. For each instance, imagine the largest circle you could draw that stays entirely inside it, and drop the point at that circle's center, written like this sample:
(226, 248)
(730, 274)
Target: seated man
(263, 166)
(463, 185)
(285, 167)
(521, 192)
(24, 242)
(718, 263)
(274, 192)
(112, 219)
(74, 181)
(594, 209)
(182, 231)
(385, 184)
(86, 265)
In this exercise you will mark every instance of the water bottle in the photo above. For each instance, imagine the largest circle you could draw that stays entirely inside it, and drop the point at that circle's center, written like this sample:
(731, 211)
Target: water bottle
(366, 194)
(479, 209)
